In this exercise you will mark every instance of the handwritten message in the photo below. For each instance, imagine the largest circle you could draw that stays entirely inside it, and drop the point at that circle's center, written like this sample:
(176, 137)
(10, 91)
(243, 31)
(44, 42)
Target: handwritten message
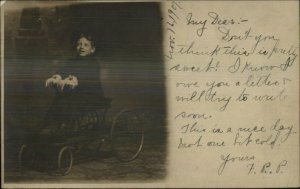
(233, 80)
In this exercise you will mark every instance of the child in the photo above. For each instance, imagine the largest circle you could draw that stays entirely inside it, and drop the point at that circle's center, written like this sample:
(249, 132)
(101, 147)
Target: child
(78, 85)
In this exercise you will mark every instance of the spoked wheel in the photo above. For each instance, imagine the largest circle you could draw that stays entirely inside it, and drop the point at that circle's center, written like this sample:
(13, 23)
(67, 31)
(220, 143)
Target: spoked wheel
(64, 161)
(127, 136)
(25, 157)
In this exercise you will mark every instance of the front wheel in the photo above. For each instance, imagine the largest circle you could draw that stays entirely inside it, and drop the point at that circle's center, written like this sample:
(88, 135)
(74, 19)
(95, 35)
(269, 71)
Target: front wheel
(127, 136)
(64, 161)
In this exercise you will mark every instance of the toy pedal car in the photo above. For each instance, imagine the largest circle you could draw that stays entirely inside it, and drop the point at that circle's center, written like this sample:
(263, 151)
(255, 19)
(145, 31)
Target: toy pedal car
(61, 147)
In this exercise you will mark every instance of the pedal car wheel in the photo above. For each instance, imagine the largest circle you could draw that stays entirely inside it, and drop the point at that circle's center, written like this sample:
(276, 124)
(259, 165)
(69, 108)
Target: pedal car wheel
(127, 136)
(65, 160)
(25, 157)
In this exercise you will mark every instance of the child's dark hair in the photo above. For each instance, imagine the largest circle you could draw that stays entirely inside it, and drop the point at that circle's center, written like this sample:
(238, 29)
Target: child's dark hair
(85, 35)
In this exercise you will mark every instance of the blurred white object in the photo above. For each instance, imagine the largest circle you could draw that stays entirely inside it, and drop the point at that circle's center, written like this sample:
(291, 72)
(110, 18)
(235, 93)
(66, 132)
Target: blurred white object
(70, 82)
(54, 80)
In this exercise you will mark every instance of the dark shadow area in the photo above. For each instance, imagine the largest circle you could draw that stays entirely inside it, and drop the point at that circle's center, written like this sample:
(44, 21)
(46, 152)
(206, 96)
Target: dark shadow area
(39, 40)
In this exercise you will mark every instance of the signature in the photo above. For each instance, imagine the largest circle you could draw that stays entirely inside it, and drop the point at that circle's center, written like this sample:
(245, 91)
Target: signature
(227, 159)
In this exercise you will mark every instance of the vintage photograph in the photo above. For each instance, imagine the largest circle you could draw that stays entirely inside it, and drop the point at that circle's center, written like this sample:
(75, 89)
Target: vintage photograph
(84, 92)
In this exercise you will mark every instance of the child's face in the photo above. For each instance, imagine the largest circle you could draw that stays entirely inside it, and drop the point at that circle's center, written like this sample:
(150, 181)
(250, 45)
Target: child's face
(84, 47)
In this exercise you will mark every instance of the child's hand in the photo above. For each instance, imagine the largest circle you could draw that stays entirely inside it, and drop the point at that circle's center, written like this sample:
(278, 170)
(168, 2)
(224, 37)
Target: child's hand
(70, 82)
(53, 81)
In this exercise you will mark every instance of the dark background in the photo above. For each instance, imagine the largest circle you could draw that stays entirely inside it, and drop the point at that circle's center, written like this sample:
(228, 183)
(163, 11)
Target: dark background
(39, 39)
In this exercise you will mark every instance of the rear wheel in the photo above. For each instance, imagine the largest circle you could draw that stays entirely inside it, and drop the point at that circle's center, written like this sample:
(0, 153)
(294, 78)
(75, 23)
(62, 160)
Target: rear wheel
(127, 136)
(25, 157)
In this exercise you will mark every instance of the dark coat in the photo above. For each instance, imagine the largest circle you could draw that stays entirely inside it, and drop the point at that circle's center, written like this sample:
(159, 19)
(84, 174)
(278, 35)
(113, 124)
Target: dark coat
(88, 94)
(86, 97)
